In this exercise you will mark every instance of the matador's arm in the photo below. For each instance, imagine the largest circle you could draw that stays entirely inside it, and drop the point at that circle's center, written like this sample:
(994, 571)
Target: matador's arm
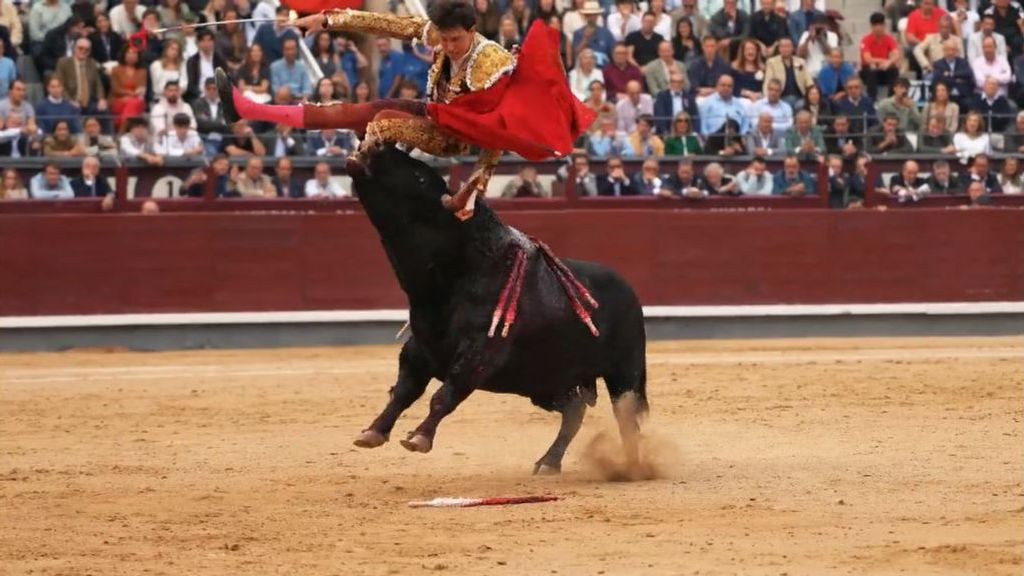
(402, 27)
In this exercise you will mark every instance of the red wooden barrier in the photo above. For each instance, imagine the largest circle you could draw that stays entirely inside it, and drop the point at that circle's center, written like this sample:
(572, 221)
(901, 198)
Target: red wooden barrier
(78, 264)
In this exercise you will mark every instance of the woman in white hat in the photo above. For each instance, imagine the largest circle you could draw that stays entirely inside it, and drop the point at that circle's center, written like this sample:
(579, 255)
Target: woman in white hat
(574, 19)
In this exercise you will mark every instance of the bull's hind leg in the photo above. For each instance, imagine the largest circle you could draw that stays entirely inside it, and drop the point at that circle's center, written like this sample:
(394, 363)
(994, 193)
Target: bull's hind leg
(572, 419)
(413, 377)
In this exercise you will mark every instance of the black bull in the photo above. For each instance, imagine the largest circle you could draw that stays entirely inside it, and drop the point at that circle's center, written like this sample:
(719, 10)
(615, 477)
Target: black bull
(453, 273)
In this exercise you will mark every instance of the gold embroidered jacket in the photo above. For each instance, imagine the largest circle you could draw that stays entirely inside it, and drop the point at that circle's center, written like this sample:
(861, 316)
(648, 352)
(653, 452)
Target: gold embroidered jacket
(487, 60)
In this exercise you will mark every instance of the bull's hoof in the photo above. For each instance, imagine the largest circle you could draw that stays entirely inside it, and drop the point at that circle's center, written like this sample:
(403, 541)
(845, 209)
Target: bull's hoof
(370, 439)
(542, 469)
(418, 443)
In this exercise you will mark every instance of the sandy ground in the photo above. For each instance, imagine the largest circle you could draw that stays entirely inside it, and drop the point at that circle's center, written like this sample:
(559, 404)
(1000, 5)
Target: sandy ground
(798, 457)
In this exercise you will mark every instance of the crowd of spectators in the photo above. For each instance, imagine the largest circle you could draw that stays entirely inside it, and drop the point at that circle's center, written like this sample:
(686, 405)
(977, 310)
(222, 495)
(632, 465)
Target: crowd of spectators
(763, 80)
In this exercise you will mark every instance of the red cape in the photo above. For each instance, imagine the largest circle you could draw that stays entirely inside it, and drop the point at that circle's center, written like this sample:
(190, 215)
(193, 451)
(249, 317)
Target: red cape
(531, 112)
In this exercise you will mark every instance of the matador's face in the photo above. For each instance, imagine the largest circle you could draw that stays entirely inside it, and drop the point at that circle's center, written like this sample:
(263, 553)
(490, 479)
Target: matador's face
(456, 42)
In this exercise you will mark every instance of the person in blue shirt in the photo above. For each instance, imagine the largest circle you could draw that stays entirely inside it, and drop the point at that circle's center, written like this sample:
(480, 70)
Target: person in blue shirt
(271, 36)
(833, 75)
(723, 120)
(8, 72)
(56, 107)
(859, 107)
(390, 70)
(792, 181)
(705, 71)
(288, 71)
(591, 35)
(418, 59)
(50, 184)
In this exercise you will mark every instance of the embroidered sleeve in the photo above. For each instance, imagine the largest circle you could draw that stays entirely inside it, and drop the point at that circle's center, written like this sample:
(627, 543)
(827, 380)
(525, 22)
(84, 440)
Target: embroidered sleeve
(488, 63)
(403, 27)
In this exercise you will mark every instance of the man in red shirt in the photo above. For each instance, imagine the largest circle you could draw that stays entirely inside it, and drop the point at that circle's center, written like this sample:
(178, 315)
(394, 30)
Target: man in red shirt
(879, 57)
(923, 21)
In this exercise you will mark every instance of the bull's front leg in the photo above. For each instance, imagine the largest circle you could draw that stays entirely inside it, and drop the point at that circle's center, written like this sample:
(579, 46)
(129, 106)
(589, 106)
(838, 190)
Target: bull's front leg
(470, 368)
(413, 377)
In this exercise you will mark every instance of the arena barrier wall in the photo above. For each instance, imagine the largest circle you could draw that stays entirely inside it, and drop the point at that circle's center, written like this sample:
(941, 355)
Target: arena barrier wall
(76, 264)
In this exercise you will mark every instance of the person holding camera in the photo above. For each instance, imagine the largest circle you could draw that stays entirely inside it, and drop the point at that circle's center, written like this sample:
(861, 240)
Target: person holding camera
(815, 44)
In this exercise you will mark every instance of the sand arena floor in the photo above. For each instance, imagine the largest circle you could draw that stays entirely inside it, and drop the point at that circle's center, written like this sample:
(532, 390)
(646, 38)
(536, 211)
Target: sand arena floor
(797, 457)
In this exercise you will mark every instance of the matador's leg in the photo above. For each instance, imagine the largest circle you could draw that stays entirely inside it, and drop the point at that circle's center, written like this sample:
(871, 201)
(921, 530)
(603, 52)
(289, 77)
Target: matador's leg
(337, 115)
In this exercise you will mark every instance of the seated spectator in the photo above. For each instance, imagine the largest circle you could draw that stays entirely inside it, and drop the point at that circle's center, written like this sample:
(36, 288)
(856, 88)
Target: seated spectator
(817, 106)
(137, 143)
(755, 180)
(271, 36)
(788, 66)
(153, 49)
(619, 73)
(935, 140)
(231, 42)
(781, 111)
(805, 140)
(598, 102)
(408, 90)
(50, 184)
(978, 196)
(89, 184)
(288, 71)
(747, 71)
(592, 35)
(253, 77)
(633, 105)
(11, 186)
(767, 27)
(61, 144)
(1014, 139)
(285, 184)
(643, 43)
(525, 185)
(508, 34)
(683, 141)
(585, 180)
(686, 41)
(792, 181)
(659, 72)
(972, 139)
(834, 76)
(717, 182)
(56, 107)
(19, 138)
(859, 185)
(979, 172)
(585, 73)
(941, 181)
(987, 30)
(331, 142)
(80, 75)
(175, 13)
(252, 182)
(880, 57)
(991, 65)
(94, 142)
(608, 141)
(672, 102)
(723, 120)
(522, 13)
(662, 19)
(683, 183)
(954, 71)
(840, 140)
(704, 72)
(126, 17)
(128, 82)
(8, 72)
(644, 141)
(908, 186)
(888, 138)
(930, 50)
(283, 142)
(169, 68)
(947, 111)
(181, 140)
(901, 106)
(57, 42)
(728, 23)
(614, 181)
(646, 182)
(816, 44)
(322, 186)
(209, 116)
(621, 21)
(169, 106)
(964, 17)
(923, 21)
(195, 185)
(1011, 179)
(242, 142)
(15, 103)
(838, 182)
(764, 141)
(993, 106)
(324, 92)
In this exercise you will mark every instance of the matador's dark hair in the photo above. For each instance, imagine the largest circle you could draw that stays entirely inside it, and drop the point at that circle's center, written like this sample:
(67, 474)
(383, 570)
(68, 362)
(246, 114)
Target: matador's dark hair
(452, 14)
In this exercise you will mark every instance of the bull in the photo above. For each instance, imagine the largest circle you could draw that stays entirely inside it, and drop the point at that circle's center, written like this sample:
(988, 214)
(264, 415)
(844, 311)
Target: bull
(565, 325)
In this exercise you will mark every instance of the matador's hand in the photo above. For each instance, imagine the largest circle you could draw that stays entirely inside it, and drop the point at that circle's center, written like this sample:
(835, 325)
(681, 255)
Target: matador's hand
(312, 23)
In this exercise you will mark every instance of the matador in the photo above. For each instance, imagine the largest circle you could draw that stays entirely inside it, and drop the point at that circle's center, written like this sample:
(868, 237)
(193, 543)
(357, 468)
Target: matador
(478, 94)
